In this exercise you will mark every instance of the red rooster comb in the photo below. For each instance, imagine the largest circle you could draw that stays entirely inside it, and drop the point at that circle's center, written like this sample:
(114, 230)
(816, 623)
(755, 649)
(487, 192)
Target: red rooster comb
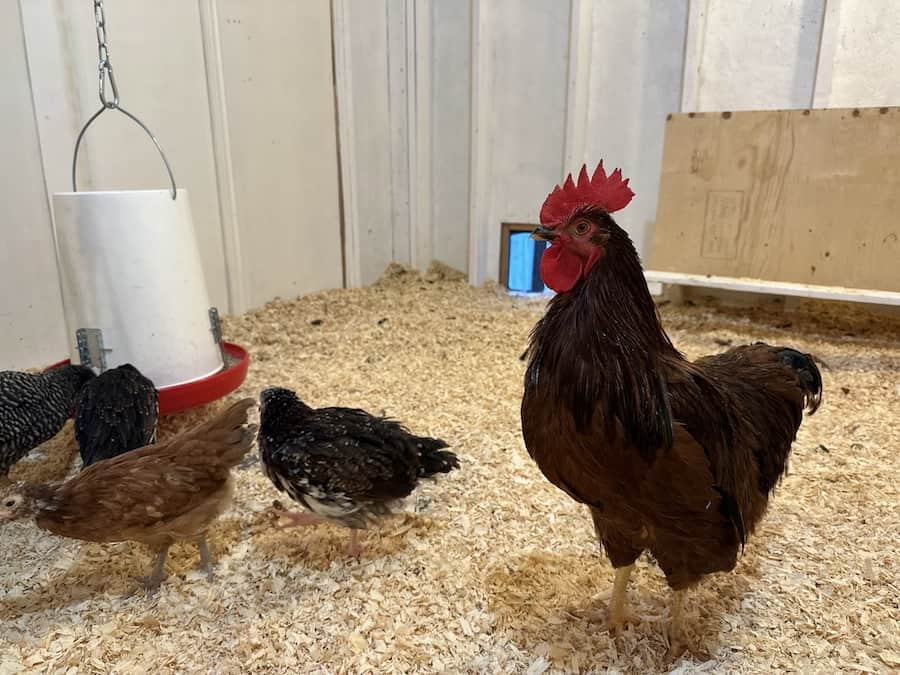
(609, 193)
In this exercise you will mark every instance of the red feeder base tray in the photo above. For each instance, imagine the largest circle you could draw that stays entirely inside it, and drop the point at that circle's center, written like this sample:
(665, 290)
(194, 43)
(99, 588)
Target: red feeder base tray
(180, 397)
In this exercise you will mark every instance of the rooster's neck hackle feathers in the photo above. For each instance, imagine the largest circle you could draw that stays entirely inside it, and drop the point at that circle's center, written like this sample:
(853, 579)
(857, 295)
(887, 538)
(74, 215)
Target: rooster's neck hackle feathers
(607, 193)
(600, 347)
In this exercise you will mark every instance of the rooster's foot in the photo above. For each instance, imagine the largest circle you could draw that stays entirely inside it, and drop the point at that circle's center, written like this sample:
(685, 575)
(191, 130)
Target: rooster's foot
(676, 634)
(680, 646)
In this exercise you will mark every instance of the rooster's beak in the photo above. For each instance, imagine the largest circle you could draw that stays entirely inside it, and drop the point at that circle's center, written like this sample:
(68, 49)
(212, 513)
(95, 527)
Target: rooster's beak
(544, 234)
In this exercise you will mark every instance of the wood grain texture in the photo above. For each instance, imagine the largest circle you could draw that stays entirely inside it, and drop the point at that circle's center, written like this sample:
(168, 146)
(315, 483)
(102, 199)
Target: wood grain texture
(794, 196)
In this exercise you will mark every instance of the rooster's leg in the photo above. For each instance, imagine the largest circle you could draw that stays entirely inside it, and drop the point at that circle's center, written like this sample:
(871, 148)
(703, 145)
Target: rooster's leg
(354, 549)
(155, 579)
(676, 616)
(618, 615)
(205, 558)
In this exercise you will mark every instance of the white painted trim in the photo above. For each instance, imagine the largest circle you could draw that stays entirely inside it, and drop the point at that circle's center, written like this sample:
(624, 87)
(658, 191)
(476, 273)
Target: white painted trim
(479, 196)
(579, 88)
(774, 287)
(655, 287)
(221, 141)
(419, 60)
(828, 45)
(346, 136)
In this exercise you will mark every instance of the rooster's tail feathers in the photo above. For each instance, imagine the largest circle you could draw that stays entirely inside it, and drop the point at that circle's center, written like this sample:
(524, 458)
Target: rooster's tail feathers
(808, 374)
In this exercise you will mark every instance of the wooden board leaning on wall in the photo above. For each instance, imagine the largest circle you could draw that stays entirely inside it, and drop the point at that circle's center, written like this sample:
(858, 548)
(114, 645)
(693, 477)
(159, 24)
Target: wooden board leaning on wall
(800, 196)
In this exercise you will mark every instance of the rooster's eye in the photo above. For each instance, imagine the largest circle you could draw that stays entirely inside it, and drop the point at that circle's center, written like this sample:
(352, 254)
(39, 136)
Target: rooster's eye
(582, 228)
(10, 502)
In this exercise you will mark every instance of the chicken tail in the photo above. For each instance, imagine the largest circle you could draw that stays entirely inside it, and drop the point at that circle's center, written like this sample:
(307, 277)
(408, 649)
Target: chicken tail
(434, 458)
(228, 433)
(808, 373)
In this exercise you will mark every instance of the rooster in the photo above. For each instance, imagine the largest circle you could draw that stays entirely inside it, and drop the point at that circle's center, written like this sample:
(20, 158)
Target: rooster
(342, 464)
(114, 413)
(34, 407)
(155, 495)
(673, 457)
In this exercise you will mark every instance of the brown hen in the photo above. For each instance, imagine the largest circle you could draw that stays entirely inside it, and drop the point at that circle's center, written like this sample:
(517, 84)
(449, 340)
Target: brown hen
(155, 495)
(673, 457)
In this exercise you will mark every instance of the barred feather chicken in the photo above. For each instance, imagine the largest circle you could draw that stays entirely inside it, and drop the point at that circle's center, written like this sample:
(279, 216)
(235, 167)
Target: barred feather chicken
(115, 413)
(674, 457)
(33, 409)
(342, 465)
(155, 495)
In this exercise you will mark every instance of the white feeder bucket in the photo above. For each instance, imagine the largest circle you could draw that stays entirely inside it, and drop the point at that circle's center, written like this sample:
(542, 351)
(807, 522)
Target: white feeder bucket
(130, 267)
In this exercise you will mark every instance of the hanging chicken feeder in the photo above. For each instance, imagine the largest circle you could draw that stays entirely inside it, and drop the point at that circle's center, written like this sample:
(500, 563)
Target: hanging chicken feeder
(132, 283)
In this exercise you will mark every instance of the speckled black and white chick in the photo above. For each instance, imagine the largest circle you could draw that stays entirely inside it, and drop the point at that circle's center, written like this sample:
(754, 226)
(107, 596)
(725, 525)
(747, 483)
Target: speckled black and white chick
(115, 413)
(342, 464)
(34, 407)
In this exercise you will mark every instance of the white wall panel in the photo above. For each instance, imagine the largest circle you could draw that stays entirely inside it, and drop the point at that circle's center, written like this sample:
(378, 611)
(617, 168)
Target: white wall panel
(860, 55)
(277, 72)
(361, 46)
(32, 329)
(751, 55)
(519, 118)
(451, 81)
(634, 82)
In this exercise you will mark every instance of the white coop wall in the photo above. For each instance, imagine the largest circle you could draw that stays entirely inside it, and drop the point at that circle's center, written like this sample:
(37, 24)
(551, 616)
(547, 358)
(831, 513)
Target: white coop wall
(631, 79)
(860, 49)
(31, 326)
(509, 95)
(754, 55)
(323, 139)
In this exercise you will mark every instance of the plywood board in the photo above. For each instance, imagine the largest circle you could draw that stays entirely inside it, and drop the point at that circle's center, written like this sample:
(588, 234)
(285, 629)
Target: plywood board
(810, 197)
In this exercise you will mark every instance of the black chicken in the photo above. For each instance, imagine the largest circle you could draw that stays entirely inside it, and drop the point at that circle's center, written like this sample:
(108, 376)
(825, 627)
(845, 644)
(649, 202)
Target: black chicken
(115, 413)
(342, 464)
(34, 407)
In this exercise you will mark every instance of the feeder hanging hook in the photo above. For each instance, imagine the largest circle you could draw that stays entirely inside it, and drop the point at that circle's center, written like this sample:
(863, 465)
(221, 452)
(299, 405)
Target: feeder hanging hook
(105, 72)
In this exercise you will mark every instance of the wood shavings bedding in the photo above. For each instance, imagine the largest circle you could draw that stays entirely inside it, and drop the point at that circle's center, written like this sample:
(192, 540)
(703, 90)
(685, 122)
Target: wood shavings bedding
(490, 569)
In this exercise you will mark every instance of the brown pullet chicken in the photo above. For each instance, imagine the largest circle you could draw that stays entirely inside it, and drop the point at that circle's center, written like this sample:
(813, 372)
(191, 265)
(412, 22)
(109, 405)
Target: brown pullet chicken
(671, 456)
(155, 495)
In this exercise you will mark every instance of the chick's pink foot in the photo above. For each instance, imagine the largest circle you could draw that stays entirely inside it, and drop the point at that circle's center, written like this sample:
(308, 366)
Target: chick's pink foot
(297, 518)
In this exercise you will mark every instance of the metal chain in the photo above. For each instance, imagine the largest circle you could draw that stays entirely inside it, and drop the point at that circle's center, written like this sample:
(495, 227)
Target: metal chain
(105, 65)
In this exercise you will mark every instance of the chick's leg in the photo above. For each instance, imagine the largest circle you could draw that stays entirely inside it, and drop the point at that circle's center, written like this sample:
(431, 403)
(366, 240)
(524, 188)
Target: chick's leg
(155, 579)
(205, 559)
(618, 615)
(354, 549)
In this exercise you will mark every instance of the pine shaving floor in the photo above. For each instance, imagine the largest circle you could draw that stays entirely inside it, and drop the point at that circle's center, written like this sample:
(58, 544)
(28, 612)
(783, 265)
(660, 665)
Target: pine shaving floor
(491, 569)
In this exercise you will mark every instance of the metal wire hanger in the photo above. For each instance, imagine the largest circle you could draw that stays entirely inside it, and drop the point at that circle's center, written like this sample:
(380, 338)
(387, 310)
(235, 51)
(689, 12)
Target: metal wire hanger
(106, 74)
